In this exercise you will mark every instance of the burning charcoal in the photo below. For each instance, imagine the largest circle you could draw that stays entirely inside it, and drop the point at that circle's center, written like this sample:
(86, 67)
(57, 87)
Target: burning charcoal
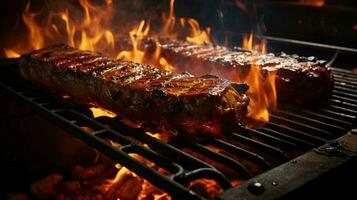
(17, 196)
(81, 173)
(200, 189)
(205, 187)
(68, 186)
(46, 187)
(80, 196)
(127, 188)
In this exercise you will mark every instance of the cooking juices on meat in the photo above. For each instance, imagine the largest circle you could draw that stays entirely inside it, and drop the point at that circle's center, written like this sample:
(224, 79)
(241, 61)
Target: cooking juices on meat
(302, 80)
(142, 93)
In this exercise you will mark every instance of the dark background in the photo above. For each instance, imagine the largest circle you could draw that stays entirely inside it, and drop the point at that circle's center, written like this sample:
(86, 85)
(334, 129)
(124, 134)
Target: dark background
(334, 23)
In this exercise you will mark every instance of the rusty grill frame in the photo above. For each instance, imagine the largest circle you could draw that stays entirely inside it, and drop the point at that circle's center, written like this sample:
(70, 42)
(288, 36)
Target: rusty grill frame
(290, 127)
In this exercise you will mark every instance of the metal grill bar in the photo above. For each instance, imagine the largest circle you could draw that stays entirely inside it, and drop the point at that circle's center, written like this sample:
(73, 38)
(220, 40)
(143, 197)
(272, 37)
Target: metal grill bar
(322, 117)
(259, 134)
(311, 122)
(217, 157)
(304, 144)
(302, 127)
(242, 153)
(259, 145)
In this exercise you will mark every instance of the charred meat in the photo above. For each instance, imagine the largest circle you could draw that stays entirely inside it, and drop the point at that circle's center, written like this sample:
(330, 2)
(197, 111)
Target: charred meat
(298, 79)
(139, 92)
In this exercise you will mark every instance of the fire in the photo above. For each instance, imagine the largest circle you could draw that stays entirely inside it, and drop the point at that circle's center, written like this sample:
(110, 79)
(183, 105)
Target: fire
(147, 191)
(165, 65)
(261, 86)
(168, 28)
(317, 3)
(98, 112)
(139, 54)
(92, 32)
(198, 36)
(136, 36)
(250, 44)
(10, 53)
(35, 35)
(210, 186)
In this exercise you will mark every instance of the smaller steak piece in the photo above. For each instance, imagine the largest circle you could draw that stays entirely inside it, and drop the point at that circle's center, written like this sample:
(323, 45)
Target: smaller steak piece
(140, 92)
(298, 79)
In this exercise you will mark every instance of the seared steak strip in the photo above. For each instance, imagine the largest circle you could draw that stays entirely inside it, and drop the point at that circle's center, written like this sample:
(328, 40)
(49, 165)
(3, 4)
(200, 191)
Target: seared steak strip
(140, 92)
(298, 79)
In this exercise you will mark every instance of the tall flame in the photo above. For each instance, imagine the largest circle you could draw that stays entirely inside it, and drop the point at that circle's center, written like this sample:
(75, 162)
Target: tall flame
(262, 90)
(136, 36)
(198, 36)
(35, 32)
(138, 52)
(168, 28)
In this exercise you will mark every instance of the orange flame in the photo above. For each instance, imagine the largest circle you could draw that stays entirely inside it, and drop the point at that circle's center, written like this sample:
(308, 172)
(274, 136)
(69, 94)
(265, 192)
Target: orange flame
(98, 112)
(262, 90)
(138, 53)
(90, 33)
(136, 36)
(168, 28)
(198, 36)
(10, 53)
(147, 189)
(35, 35)
(210, 186)
(317, 3)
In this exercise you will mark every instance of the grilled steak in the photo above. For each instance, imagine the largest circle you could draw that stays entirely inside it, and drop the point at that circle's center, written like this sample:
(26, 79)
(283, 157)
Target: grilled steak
(298, 79)
(140, 92)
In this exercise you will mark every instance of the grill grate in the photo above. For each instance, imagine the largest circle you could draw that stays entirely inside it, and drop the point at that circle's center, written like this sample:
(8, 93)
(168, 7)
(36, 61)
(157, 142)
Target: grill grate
(241, 154)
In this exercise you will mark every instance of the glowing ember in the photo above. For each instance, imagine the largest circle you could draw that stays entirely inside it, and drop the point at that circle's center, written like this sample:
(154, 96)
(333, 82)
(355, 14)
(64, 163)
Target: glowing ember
(210, 186)
(165, 65)
(147, 190)
(98, 112)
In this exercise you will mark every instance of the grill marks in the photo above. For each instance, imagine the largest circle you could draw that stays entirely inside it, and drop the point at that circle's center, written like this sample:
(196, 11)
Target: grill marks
(139, 92)
(298, 79)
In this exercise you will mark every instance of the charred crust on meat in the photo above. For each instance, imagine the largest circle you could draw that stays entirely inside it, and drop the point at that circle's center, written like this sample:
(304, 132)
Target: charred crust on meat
(139, 92)
(298, 79)
(176, 106)
(117, 95)
(209, 76)
(157, 94)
